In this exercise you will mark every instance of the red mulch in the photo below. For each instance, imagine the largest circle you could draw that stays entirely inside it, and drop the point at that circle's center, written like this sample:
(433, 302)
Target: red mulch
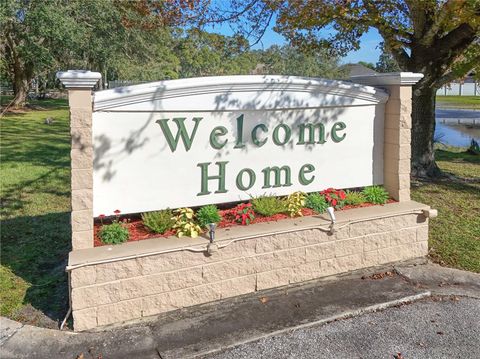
(139, 232)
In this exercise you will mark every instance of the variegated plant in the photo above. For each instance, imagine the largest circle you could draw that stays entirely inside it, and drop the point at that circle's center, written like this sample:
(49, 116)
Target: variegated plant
(185, 223)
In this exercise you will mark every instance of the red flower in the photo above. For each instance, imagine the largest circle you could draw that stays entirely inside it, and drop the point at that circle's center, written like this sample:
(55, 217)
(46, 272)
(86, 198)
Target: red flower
(117, 211)
(101, 216)
(342, 195)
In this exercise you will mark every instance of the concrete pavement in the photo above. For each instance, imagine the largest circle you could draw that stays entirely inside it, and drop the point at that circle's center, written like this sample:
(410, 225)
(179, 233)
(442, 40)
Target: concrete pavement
(209, 329)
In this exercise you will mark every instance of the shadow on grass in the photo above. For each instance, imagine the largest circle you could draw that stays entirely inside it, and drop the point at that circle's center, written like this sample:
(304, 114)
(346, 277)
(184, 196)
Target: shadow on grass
(36, 250)
(451, 156)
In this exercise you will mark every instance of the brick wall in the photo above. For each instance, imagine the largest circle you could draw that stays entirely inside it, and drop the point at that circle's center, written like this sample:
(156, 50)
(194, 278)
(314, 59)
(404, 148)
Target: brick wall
(119, 291)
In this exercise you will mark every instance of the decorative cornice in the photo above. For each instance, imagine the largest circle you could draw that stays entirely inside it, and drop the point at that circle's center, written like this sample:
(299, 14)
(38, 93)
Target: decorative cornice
(388, 79)
(79, 78)
(235, 93)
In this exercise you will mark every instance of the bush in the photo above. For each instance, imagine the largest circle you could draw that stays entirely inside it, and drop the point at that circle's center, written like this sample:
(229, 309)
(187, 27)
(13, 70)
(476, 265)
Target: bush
(334, 197)
(243, 213)
(114, 233)
(317, 202)
(268, 206)
(375, 194)
(159, 221)
(295, 203)
(354, 198)
(184, 223)
(208, 214)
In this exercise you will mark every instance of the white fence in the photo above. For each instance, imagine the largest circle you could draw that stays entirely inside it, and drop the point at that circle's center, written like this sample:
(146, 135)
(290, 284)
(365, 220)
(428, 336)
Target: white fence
(459, 89)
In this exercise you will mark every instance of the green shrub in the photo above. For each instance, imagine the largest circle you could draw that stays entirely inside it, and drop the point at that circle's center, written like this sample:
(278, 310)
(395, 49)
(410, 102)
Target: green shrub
(354, 198)
(114, 233)
(375, 194)
(185, 224)
(317, 202)
(295, 203)
(159, 221)
(268, 206)
(208, 214)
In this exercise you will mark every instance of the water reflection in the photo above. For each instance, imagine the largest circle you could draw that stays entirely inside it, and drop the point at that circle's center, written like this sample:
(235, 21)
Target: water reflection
(457, 127)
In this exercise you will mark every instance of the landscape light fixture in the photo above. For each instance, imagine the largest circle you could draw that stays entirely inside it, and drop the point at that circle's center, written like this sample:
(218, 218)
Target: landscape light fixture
(212, 246)
(331, 213)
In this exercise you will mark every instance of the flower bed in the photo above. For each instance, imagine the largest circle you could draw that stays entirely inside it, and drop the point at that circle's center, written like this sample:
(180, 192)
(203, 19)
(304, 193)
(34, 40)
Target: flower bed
(138, 231)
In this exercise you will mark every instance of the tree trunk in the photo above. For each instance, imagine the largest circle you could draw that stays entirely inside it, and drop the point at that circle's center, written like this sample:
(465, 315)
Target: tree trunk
(21, 92)
(21, 85)
(423, 129)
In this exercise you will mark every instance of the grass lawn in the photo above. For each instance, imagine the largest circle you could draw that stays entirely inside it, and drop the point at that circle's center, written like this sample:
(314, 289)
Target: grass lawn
(35, 229)
(455, 233)
(35, 208)
(472, 102)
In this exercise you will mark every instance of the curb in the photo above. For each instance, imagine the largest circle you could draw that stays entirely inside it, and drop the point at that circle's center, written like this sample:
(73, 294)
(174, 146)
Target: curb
(344, 315)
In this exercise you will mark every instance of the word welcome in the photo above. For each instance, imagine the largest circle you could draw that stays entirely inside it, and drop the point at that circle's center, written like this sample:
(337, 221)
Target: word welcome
(281, 135)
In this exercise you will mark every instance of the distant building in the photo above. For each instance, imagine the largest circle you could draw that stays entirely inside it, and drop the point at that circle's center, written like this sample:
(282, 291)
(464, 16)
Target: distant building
(357, 70)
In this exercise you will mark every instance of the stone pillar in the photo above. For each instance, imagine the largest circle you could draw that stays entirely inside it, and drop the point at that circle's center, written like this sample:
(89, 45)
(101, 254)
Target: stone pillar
(397, 128)
(80, 85)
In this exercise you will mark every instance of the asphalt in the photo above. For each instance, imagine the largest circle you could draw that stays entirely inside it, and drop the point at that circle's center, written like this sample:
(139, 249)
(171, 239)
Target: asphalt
(432, 328)
(332, 317)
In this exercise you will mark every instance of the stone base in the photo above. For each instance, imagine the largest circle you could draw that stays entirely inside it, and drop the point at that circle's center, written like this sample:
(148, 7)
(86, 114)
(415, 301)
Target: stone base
(115, 284)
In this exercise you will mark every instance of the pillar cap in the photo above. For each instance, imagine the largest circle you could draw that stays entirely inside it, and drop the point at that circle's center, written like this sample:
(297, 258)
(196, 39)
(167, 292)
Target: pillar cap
(81, 79)
(388, 79)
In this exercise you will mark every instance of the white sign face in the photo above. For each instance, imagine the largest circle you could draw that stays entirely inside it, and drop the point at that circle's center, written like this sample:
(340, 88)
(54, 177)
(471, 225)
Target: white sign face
(151, 154)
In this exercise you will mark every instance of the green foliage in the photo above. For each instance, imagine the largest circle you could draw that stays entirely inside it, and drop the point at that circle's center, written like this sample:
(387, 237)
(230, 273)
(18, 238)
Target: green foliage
(268, 206)
(317, 202)
(114, 233)
(159, 221)
(375, 194)
(295, 203)
(386, 62)
(291, 60)
(185, 224)
(208, 214)
(354, 198)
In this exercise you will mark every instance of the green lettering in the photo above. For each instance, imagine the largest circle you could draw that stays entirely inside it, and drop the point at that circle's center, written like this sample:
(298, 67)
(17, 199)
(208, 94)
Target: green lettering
(181, 132)
(251, 180)
(255, 140)
(266, 176)
(305, 169)
(311, 133)
(339, 126)
(216, 132)
(239, 143)
(288, 134)
(205, 177)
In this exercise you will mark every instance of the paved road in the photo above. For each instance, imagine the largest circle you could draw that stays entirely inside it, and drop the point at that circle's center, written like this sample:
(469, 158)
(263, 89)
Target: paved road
(432, 328)
(456, 113)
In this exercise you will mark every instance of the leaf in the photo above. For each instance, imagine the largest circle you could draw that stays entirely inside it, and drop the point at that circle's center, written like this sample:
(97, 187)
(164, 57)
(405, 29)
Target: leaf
(263, 300)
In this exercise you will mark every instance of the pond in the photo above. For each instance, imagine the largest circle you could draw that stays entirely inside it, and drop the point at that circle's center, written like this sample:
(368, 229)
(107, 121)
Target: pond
(457, 127)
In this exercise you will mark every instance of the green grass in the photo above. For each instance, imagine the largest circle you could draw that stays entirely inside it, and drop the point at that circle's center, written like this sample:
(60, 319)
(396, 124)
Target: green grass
(455, 234)
(459, 101)
(35, 198)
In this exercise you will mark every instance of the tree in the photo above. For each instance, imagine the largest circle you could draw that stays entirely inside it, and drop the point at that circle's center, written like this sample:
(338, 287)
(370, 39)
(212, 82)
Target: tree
(41, 36)
(386, 62)
(34, 35)
(289, 60)
(438, 38)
